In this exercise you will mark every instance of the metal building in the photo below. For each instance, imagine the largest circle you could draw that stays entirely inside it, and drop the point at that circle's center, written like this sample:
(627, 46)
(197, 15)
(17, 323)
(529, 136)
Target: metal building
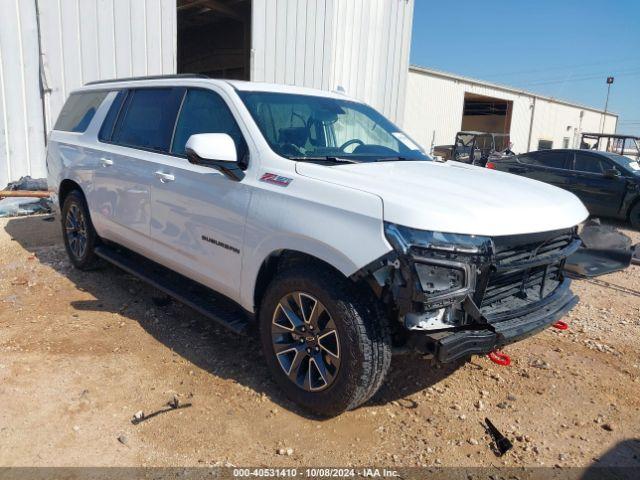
(48, 48)
(439, 104)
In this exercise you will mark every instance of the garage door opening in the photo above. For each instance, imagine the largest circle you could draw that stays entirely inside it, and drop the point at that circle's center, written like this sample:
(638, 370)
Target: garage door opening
(486, 114)
(214, 38)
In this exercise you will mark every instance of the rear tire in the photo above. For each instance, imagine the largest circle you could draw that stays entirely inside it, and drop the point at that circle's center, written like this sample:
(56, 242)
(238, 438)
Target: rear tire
(327, 362)
(80, 238)
(634, 216)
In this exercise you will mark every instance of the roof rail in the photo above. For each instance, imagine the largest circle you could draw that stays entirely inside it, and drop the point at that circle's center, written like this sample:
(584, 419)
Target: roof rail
(151, 77)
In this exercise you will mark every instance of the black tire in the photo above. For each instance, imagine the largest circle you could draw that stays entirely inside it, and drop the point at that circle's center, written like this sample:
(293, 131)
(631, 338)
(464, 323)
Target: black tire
(634, 216)
(362, 335)
(80, 238)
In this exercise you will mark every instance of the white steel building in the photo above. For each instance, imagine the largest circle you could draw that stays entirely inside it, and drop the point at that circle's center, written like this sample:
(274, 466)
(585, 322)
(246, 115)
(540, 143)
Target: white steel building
(48, 48)
(439, 104)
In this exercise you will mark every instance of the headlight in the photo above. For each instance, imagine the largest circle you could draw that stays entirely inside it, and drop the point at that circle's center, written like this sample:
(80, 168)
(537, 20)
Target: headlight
(402, 238)
(442, 262)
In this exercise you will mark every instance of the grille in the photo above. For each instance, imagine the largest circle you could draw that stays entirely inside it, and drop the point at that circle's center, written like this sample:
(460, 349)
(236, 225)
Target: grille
(512, 282)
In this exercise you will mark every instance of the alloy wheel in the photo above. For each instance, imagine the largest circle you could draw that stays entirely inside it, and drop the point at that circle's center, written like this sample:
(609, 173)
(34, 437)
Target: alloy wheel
(76, 231)
(305, 341)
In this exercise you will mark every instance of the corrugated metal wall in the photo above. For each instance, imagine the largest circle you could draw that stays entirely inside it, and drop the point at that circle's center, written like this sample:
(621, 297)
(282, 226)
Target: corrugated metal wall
(85, 40)
(22, 131)
(75, 41)
(361, 45)
(434, 106)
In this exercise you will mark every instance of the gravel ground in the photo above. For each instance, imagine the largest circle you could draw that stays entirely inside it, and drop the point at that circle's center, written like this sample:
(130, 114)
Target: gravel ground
(82, 352)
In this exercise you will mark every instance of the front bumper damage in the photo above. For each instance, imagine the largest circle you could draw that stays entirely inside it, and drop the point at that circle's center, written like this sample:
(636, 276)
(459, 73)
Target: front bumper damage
(515, 287)
(449, 346)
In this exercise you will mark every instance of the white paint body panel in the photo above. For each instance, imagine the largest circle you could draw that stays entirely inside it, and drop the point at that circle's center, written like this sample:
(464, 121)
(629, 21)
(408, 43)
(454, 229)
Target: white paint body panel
(456, 198)
(334, 213)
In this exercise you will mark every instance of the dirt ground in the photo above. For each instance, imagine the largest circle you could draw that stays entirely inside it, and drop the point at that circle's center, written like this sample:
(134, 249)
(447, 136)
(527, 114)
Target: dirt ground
(82, 352)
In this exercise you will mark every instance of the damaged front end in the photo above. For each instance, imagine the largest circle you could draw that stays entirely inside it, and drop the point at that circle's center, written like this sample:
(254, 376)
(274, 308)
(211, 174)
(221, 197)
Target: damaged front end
(457, 295)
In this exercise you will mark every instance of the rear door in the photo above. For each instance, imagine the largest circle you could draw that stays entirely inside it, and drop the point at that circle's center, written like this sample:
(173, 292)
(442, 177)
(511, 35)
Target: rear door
(548, 166)
(136, 131)
(601, 194)
(198, 214)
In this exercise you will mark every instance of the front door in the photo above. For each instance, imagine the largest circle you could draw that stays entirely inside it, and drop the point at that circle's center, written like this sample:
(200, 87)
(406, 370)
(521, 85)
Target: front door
(601, 194)
(549, 166)
(197, 213)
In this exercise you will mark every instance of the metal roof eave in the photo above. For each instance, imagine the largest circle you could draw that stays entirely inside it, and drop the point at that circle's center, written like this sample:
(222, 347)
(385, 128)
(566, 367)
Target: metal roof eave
(504, 88)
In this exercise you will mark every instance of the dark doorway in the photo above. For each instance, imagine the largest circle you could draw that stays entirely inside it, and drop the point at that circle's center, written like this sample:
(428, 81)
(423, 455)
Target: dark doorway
(214, 38)
(486, 114)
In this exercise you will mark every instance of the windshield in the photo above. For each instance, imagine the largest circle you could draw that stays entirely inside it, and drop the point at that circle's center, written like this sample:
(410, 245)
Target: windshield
(628, 164)
(303, 127)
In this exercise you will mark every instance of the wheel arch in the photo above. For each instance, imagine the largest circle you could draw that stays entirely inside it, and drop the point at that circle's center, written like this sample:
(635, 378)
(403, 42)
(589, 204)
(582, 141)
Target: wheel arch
(279, 260)
(67, 186)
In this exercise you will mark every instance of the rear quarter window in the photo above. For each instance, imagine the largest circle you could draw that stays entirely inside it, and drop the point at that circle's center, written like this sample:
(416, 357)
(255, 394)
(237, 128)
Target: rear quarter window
(78, 111)
(549, 158)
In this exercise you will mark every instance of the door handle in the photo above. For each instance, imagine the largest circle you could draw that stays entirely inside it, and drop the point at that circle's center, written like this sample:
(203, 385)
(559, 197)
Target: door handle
(106, 162)
(164, 177)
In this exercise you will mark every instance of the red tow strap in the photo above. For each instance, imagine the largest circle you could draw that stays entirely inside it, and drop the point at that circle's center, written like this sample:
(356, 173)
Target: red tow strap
(560, 325)
(500, 358)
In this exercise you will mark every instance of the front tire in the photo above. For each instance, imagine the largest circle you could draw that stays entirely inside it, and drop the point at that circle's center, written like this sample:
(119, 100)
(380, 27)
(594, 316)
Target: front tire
(325, 342)
(80, 238)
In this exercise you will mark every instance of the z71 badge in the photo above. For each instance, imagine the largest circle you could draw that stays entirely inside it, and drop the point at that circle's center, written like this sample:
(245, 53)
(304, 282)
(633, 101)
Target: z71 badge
(276, 179)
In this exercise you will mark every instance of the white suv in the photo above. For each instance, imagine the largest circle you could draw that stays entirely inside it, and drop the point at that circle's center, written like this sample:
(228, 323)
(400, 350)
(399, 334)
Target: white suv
(308, 217)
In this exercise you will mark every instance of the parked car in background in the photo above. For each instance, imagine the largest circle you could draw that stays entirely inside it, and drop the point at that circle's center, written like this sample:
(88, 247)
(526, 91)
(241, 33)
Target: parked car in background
(607, 183)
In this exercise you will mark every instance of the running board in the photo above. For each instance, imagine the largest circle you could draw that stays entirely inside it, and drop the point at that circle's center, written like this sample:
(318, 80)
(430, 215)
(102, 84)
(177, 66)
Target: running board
(195, 295)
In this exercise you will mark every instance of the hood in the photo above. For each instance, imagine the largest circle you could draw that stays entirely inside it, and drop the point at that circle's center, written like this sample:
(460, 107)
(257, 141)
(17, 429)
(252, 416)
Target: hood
(457, 198)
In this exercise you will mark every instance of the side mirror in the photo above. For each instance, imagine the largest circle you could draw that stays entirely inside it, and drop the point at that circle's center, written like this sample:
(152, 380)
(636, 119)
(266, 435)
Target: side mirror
(215, 150)
(611, 173)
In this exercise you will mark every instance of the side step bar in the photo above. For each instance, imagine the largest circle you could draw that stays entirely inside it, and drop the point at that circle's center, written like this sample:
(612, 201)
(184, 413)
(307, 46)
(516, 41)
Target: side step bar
(195, 295)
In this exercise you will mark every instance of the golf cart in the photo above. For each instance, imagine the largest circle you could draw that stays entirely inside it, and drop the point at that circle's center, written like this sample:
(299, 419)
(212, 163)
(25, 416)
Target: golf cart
(475, 148)
(626, 145)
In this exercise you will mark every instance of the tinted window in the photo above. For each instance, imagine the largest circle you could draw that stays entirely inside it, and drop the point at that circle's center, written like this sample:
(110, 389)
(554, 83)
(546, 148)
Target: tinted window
(529, 159)
(148, 118)
(78, 111)
(552, 159)
(106, 131)
(589, 163)
(204, 111)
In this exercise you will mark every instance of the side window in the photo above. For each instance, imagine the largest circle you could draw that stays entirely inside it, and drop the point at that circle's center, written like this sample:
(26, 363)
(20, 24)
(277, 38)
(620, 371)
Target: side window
(148, 118)
(106, 131)
(530, 159)
(553, 159)
(589, 163)
(78, 111)
(204, 111)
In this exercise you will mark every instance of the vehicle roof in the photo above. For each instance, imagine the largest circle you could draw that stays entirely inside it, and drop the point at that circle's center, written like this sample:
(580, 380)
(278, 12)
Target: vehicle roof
(188, 79)
(610, 135)
(472, 132)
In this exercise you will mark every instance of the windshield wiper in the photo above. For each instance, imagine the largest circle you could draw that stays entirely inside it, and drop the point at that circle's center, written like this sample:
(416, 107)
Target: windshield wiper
(323, 159)
(391, 159)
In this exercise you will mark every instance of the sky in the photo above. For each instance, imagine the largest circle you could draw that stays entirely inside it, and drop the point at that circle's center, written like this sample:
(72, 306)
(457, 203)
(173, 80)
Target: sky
(559, 48)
